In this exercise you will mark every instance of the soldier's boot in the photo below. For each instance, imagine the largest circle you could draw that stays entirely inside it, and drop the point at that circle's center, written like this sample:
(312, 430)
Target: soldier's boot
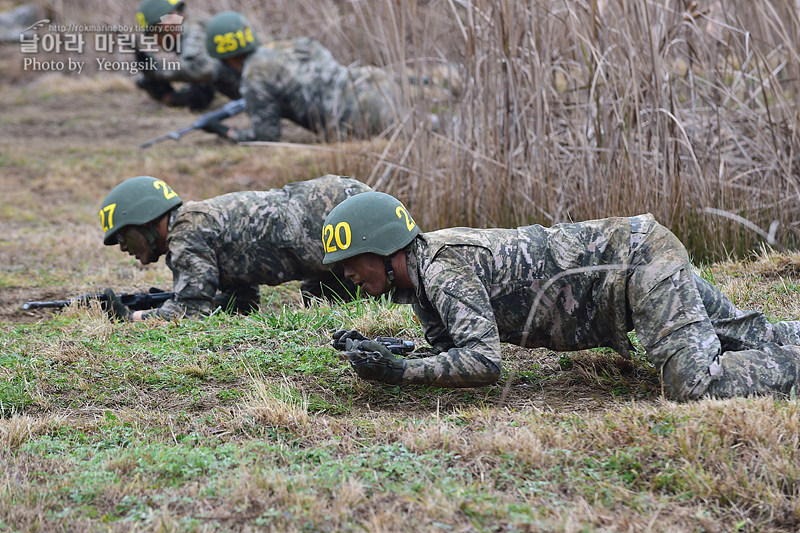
(769, 370)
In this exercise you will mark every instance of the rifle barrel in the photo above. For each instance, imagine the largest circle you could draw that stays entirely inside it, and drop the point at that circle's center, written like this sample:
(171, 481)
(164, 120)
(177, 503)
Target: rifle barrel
(228, 110)
(151, 142)
(43, 305)
(171, 135)
(136, 301)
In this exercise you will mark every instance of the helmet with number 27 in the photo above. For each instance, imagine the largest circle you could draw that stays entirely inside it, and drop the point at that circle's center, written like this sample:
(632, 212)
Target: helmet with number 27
(135, 202)
(229, 35)
(370, 222)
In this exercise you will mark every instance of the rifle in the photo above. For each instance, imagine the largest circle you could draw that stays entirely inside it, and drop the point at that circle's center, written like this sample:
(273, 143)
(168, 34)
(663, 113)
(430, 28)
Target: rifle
(234, 107)
(396, 346)
(136, 301)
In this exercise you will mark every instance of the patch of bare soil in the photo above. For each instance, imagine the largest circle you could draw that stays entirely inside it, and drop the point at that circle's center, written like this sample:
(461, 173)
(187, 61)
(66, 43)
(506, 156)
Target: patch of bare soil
(11, 300)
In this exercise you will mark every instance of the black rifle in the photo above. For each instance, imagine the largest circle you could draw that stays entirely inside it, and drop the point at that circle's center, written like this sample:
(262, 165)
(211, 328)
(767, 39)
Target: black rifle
(396, 346)
(136, 301)
(234, 107)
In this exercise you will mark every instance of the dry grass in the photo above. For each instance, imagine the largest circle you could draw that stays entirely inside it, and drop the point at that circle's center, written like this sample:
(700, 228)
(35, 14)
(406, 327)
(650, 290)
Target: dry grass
(276, 406)
(15, 431)
(570, 111)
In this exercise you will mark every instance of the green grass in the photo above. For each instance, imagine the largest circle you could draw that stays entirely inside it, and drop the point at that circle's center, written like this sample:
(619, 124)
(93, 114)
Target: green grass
(254, 422)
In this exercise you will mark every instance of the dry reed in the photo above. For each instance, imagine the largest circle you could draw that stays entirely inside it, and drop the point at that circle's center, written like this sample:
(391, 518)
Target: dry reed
(571, 111)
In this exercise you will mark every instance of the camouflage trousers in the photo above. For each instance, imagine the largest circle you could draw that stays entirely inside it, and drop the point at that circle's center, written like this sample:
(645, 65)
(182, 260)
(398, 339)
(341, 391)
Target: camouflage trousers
(700, 342)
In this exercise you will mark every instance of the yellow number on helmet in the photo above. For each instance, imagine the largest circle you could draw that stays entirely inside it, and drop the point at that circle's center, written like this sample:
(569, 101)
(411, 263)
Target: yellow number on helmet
(168, 192)
(402, 213)
(107, 221)
(226, 43)
(341, 234)
(343, 244)
(327, 238)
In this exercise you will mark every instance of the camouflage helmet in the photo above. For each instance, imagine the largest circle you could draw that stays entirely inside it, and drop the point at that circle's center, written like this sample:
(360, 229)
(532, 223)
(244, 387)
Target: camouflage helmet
(135, 202)
(151, 11)
(368, 222)
(229, 35)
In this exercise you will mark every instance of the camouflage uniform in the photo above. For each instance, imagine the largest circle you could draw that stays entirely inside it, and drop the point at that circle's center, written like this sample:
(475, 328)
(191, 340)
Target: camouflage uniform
(235, 242)
(300, 80)
(203, 73)
(585, 285)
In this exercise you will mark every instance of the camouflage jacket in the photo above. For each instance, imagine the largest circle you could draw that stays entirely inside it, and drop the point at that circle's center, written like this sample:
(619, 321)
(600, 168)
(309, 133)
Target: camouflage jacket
(299, 80)
(249, 238)
(561, 287)
(196, 66)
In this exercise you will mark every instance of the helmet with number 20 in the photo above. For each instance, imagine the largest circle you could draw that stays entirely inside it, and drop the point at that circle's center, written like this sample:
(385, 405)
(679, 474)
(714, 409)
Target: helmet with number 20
(370, 222)
(229, 35)
(135, 202)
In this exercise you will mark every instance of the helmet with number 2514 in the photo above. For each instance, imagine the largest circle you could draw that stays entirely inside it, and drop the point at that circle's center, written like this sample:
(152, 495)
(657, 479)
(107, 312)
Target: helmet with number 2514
(229, 35)
(370, 222)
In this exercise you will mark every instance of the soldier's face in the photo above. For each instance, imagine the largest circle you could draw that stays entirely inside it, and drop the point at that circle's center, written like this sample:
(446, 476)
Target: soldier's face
(367, 271)
(132, 241)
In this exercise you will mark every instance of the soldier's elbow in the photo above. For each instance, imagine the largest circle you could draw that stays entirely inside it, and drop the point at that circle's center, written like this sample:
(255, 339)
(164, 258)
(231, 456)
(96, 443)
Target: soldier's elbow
(489, 374)
(494, 375)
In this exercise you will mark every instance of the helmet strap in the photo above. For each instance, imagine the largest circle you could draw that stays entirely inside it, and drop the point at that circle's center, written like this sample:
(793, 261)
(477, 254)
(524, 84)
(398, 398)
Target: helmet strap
(151, 235)
(387, 264)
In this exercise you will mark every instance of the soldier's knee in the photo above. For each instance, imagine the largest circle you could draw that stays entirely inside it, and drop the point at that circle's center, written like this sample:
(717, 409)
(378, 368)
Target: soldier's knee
(683, 382)
(491, 372)
(686, 360)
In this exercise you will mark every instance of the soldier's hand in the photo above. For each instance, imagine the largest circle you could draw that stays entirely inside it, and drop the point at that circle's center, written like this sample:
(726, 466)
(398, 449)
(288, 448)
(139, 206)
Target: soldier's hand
(373, 361)
(144, 60)
(157, 89)
(340, 338)
(115, 309)
(215, 126)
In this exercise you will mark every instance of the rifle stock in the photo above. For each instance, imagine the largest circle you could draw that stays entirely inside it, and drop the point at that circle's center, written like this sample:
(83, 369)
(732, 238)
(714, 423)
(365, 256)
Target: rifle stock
(136, 301)
(234, 107)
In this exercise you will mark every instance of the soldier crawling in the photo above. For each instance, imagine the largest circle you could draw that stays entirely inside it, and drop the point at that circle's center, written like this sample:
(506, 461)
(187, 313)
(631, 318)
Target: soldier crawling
(569, 287)
(202, 74)
(298, 80)
(221, 249)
